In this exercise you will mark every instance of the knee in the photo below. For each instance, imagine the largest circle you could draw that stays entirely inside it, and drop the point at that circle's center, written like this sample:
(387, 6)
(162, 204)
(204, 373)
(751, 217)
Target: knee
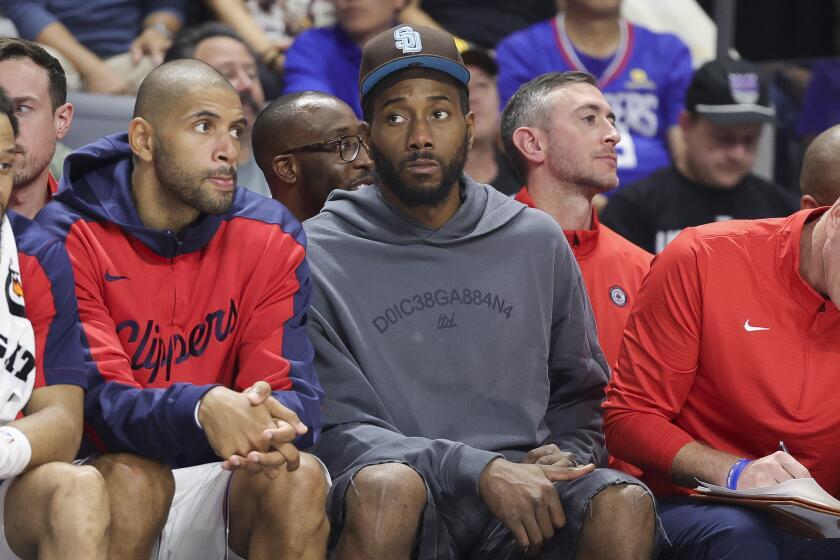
(625, 501)
(141, 486)
(388, 488)
(77, 503)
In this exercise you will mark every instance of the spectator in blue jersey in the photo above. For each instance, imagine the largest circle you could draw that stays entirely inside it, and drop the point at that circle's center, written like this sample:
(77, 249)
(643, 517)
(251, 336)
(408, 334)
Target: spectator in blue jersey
(193, 297)
(328, 59)
(105, 46)
(48, 508)
(642, 74)
(726, 107)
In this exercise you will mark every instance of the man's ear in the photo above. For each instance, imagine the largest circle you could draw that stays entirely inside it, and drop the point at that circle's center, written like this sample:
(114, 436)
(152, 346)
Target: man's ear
(62, 119)
(530, 144)
(141, 139)
(285, 168)
(470, 118)
(808, 202)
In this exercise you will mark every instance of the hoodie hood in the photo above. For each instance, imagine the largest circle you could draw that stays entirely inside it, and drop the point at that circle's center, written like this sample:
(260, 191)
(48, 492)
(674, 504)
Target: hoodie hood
(96, 183)
(365, 211)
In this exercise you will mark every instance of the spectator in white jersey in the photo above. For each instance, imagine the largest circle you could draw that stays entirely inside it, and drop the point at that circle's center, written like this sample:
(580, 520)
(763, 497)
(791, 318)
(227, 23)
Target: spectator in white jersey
(726, 107)
(48, 507)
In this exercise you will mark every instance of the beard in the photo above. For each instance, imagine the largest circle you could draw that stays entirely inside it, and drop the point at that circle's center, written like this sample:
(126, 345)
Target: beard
(186, 186)
(418, 195)
(29, 168)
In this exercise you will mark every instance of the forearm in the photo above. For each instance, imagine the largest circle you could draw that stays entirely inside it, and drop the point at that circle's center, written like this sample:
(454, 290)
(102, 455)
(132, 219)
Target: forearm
(696, 461)
(56, 35)
(53, 434)
(165, 17)
(234, 14)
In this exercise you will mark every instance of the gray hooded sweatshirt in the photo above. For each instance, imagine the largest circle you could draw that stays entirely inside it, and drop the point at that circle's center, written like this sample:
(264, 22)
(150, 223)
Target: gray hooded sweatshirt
(445, 348)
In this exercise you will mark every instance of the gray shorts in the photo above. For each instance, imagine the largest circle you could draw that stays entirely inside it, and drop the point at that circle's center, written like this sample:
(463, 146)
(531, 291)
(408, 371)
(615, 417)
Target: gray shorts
(464, 529)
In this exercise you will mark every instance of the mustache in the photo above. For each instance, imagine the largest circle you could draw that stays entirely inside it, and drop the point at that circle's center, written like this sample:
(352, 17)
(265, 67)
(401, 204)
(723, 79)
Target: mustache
(422, 155)
(223, 171)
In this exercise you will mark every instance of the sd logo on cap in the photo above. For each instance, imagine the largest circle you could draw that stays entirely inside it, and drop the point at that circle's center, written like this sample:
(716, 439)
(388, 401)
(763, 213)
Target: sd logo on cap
(407, 46)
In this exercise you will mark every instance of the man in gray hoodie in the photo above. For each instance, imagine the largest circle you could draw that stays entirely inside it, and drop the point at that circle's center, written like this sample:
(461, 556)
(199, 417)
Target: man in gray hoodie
(457, 348)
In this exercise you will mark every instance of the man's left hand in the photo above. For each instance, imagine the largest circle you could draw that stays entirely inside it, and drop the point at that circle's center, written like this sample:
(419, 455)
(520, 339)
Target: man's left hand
(550, 455)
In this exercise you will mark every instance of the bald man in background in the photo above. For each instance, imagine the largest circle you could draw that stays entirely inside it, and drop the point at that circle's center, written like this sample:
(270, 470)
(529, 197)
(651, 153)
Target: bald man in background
(322, 148)
(820, 177)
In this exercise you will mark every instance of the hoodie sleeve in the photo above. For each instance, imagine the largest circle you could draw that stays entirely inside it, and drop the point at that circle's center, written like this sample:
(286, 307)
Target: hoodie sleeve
(120, 414)
(577, 368)
(359, 432)
(274, 345)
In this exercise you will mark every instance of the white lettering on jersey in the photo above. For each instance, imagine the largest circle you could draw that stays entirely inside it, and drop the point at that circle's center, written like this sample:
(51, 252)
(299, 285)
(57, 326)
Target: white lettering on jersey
(636, 110)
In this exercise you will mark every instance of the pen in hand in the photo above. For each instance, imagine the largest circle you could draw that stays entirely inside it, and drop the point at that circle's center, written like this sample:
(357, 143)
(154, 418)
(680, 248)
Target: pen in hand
(783, 448)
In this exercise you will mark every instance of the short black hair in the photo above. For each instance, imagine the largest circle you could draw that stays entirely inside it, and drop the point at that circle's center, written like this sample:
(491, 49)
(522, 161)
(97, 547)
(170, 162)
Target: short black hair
(12, 48)
(367, 100)
(527, 108)
(8, 108)
(186, 41)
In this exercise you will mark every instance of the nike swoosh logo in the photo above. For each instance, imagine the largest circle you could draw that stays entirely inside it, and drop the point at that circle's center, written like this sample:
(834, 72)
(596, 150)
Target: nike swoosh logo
(750, 328)
(110, 278)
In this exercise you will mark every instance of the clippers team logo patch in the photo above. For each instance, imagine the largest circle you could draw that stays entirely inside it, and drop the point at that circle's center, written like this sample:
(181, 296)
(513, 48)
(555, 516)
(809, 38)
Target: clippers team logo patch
(14, 293)
(407, 40)
(744, 87)
(618, 296)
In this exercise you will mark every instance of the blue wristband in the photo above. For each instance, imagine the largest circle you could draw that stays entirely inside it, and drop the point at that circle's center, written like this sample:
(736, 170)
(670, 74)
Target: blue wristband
(735, 473)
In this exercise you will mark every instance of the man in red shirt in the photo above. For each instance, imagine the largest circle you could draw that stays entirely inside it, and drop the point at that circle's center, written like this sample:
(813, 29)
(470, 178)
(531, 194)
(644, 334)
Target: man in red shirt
(35, 82)
(560, 132)
(731, 348)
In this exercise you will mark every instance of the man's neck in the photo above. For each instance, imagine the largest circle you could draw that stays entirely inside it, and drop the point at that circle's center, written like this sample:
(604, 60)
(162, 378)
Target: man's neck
(568, 204)
(157, 208)
(481, 162)
(433, 217)
(27, 200)
(811, 264)
(594, 36)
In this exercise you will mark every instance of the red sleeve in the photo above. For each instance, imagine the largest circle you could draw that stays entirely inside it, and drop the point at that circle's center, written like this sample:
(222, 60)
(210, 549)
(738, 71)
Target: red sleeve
(658, 360)
(275, 346)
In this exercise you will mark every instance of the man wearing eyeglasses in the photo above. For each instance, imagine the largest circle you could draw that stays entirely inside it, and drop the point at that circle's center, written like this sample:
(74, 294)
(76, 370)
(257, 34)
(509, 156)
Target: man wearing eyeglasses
(322, 149)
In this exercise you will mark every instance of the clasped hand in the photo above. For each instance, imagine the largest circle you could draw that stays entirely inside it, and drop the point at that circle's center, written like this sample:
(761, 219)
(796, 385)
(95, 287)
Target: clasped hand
(251, 430)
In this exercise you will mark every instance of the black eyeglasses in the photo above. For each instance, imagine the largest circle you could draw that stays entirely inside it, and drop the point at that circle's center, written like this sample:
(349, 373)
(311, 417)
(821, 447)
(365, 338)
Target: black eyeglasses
(348, 147)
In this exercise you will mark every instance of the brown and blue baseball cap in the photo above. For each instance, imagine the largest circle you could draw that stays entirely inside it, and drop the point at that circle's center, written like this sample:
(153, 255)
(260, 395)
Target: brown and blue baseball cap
(410, 46)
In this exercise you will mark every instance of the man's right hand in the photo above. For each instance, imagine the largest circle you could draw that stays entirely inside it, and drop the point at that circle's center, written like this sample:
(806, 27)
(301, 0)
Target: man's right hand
(279, 438)
(233, 426)
(770, 470)
(524, 499)
(104, 79)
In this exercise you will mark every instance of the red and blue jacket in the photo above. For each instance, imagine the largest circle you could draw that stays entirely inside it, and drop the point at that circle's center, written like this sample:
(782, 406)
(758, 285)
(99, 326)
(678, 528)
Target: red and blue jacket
(49, 304)
(167, 317)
